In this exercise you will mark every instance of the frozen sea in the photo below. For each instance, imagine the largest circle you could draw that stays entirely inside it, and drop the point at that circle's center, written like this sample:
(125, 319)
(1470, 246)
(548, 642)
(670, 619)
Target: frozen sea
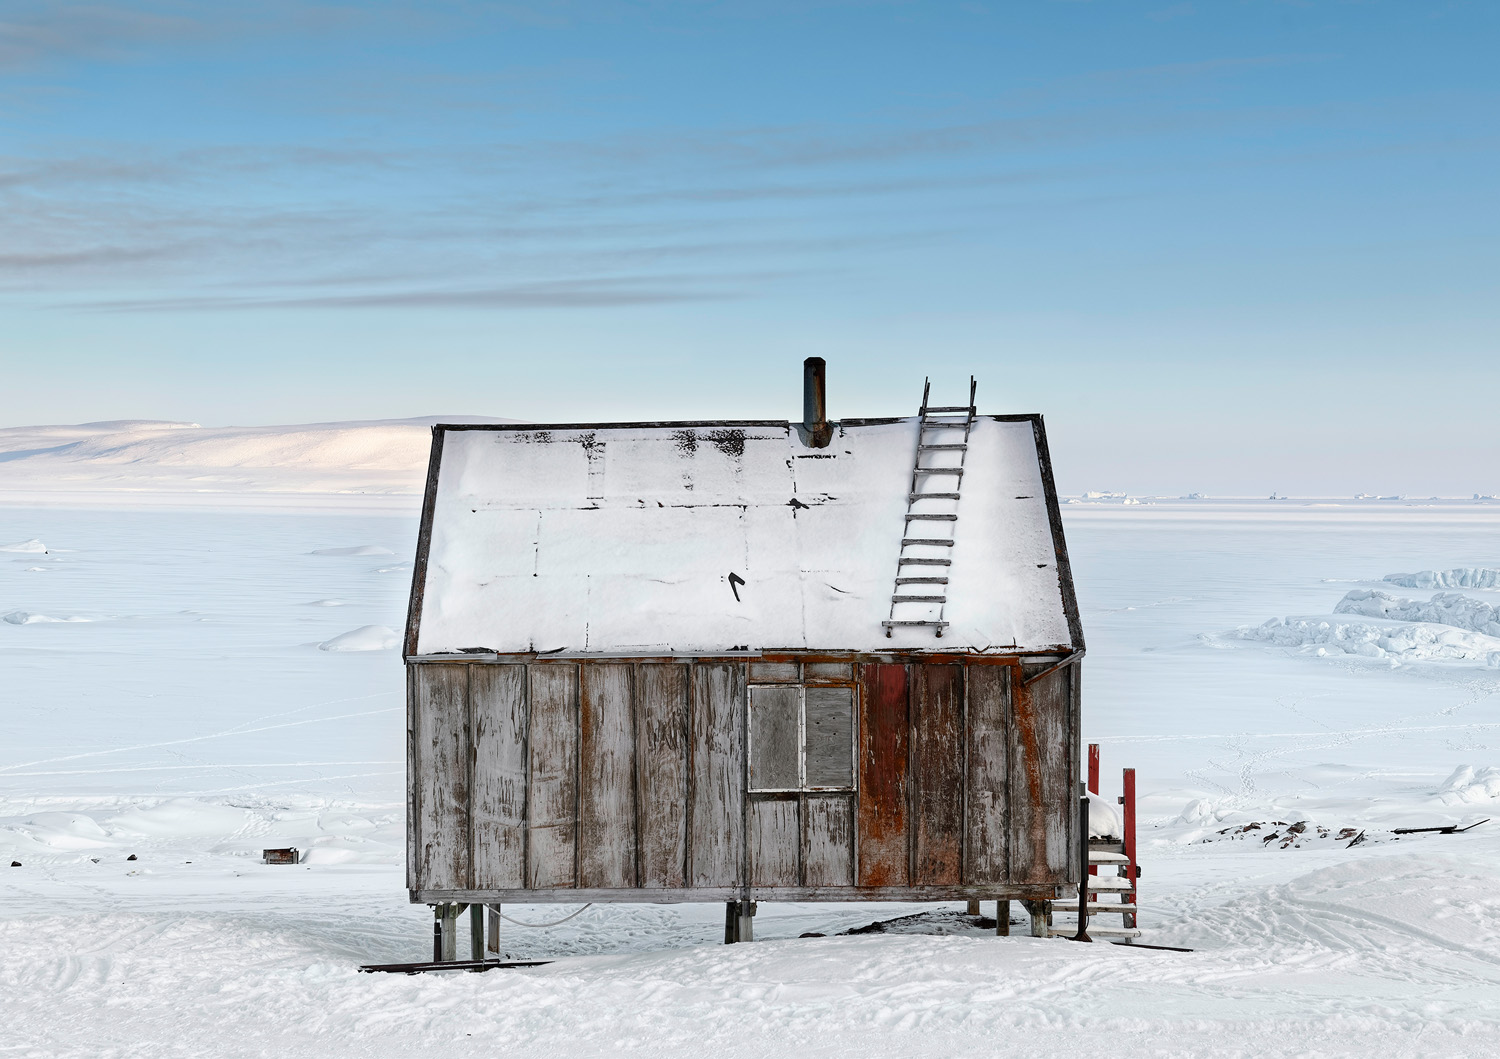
(190, 681)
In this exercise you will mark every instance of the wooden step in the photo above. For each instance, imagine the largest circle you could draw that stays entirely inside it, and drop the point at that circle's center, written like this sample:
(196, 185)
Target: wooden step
(958, 471)
(931, 496)
(1101, 856)
(947, 408)
(926, 542)
(904, 561)
(1109, 884)
(939, 624)
(1069, 929)
(911, 516)
(959, 447)
(919, 599)
(921, 580)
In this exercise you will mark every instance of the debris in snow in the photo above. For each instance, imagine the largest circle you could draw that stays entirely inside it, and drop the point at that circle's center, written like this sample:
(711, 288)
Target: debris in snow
(1444, 829)
(1282, 835)
(15, 864)
(131, 857)
(945, 921)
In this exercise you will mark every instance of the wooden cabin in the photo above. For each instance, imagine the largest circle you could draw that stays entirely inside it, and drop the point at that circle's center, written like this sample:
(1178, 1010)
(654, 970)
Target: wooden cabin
(743, 661)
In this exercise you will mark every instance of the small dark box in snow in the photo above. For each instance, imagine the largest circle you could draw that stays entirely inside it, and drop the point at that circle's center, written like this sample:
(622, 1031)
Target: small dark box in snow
(281, 856)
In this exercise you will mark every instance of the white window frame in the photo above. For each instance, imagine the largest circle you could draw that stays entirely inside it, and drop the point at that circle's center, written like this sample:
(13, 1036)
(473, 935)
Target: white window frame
(802, 787)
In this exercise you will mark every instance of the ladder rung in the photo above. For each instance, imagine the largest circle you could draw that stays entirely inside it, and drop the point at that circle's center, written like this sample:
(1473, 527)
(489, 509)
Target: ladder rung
(903, 561)
(931, 496)
(939, 470)
(939, 624)
(919, 599)
(921, 580)
(932, 518)
(947, 448)
(1100, 856)
(926, 542)
(948, 408)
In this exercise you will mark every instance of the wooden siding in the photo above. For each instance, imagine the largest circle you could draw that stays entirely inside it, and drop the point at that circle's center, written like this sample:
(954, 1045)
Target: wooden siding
(552, 790)
(716, 843)
(884, 724)
(442, 775)
(662, 725)
(986, 798)
(606, 795)
(937, 774)
(622, 777)
(1042, 778)
(828, 841)
(774, 845)
(497, 710)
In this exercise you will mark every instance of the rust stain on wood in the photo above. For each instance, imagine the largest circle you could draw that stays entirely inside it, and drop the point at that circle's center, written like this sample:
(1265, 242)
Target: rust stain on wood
(883, 740)
(937, 783)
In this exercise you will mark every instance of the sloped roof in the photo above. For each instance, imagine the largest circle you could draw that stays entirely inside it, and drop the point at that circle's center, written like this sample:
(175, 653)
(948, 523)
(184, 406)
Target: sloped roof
(621, 539)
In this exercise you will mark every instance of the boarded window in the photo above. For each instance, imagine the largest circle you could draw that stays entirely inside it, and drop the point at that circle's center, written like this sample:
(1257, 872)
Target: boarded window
(829, 742)
(801, 738)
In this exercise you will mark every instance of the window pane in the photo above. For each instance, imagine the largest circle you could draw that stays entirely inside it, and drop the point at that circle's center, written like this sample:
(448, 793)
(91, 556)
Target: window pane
(830, 737)
(773, 739)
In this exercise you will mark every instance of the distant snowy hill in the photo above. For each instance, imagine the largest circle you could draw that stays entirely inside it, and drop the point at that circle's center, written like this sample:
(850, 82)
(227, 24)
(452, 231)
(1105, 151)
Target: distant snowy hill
(152, 462)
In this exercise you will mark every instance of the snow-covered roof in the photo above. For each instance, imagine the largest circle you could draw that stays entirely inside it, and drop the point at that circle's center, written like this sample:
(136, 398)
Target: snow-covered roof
(622, 539)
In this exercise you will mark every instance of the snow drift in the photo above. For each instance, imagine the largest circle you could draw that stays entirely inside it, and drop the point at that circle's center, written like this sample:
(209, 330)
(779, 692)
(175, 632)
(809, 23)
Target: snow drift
(365, 638)
(1470, 786)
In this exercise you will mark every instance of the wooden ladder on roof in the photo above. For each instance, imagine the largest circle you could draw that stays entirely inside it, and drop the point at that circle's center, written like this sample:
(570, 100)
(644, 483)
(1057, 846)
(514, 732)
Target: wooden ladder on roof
(922, 569)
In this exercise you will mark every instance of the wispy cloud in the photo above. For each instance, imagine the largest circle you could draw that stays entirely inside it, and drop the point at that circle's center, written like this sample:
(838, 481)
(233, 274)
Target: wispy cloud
(555, 294)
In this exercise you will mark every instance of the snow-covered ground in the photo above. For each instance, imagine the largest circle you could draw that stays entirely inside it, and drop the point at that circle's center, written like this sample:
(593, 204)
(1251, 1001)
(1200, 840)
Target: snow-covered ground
(190, 677)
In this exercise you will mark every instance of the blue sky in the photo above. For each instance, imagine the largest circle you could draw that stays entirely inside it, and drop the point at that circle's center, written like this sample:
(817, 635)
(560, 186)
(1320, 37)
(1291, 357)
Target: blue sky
(1226, 247)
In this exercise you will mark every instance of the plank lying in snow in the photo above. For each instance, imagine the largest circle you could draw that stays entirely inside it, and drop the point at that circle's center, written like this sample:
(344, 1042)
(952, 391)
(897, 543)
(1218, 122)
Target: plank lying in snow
(448, 965)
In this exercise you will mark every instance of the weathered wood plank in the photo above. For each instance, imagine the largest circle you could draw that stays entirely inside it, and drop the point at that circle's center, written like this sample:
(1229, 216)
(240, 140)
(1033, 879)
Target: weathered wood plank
(552, 793)
(841, 671)
(497, 708)
(443, 776)
(937, 783)
(774, 841)
(1042, 792)
(830, 737)
(883, 740)
(718, 781)
(606, 811)
(775, 739)
(413, 770)
(773, 672)
(828, 841)
(662, 722)
(988, 700)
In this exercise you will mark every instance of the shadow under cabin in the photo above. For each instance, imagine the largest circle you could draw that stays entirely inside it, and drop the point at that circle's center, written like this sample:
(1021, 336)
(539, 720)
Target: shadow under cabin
(740, 662)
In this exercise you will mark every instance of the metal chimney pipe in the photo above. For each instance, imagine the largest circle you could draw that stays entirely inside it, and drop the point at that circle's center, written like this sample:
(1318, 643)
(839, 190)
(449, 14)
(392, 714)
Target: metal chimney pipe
(818, 433)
